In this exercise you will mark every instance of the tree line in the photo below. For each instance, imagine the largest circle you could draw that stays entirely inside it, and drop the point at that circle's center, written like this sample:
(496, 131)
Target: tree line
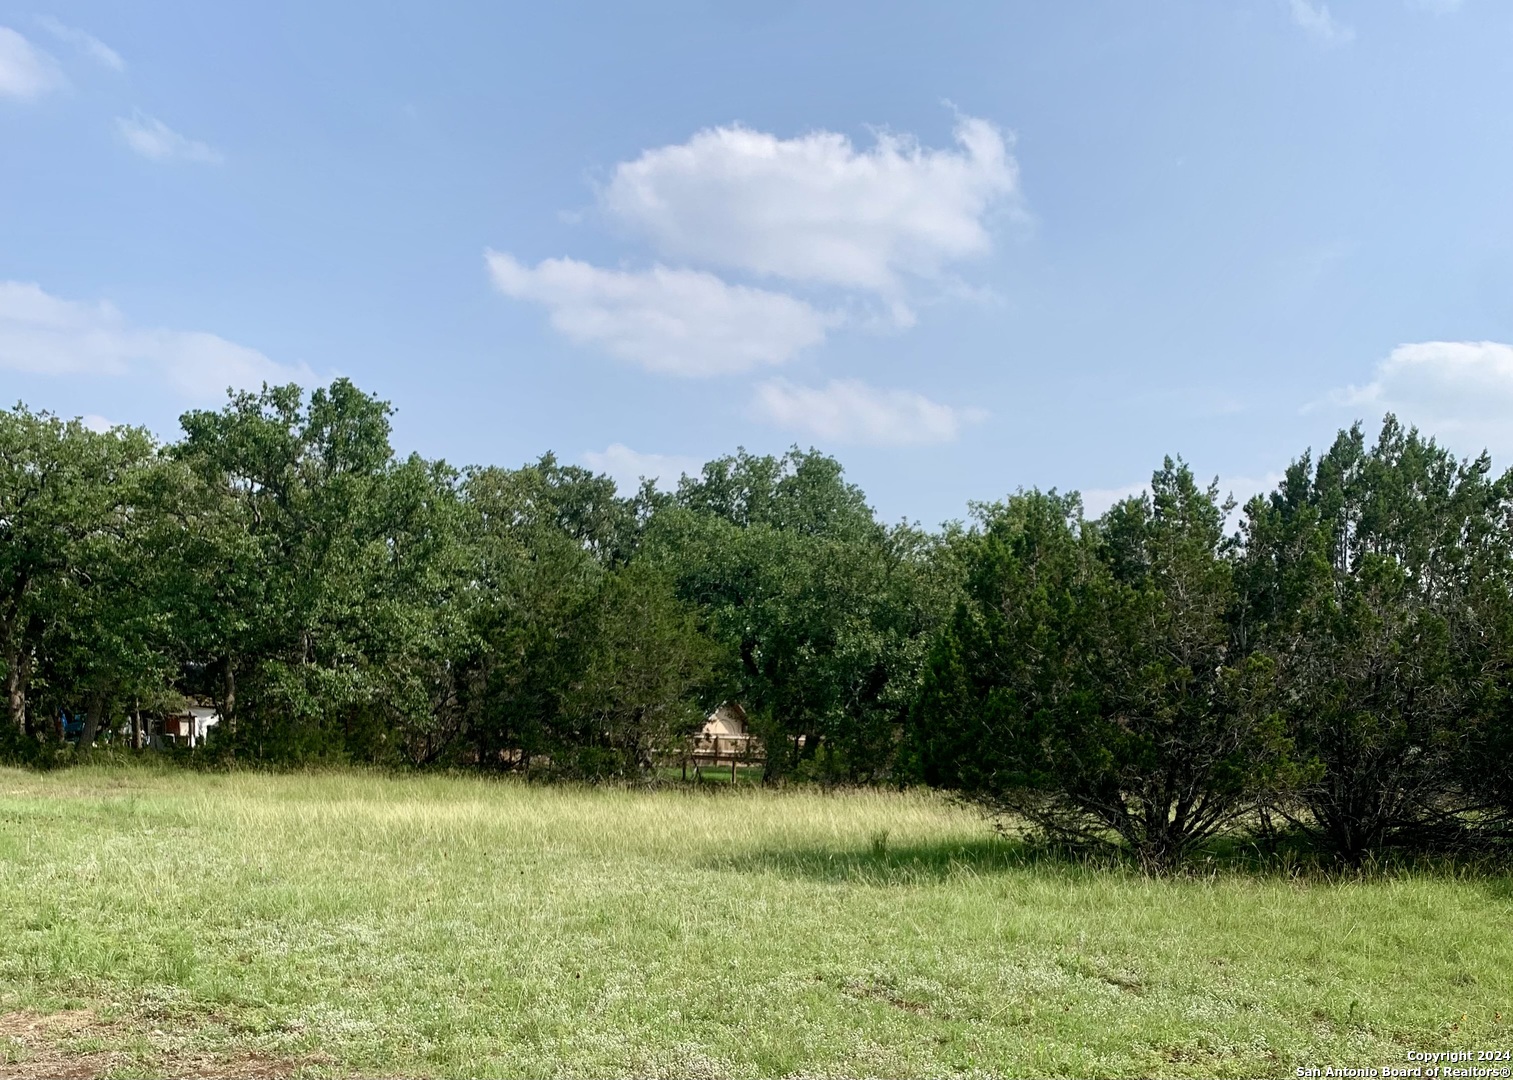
(1332, 660)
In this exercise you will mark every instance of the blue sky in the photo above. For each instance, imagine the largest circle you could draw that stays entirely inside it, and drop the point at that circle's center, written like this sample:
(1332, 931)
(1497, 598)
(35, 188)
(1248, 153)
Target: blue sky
(965, 248)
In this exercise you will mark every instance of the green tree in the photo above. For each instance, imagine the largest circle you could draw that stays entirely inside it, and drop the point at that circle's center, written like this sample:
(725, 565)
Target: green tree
(118, 643)
(530, 580)
(823, 612)
(1374, 579)
(645, 678)
(64, 505)
(1091, 681)
(323, 578)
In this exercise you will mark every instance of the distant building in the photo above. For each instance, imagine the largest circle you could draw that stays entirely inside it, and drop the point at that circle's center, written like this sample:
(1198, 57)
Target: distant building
(724, 740)
(188, 726)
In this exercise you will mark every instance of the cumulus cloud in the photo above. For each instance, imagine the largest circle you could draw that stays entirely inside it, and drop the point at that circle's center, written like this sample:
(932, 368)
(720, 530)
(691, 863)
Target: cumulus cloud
(851, 411)
(46, 335)
(815, 208)
(1461, 391)
(90, 45)
(679, 322)
(1316, 21)
(628, 467)
(26, 71)
(156, 141)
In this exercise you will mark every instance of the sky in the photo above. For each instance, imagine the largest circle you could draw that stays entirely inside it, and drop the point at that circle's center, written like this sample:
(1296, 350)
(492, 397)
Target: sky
(965, 248)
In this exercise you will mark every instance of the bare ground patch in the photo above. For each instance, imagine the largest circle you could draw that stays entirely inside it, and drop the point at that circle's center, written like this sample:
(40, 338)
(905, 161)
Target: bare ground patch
(78, 1045)
(876, 991)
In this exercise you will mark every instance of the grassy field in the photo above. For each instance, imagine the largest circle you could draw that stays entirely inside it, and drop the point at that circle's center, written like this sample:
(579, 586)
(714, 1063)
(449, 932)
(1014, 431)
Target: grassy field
(161, 923)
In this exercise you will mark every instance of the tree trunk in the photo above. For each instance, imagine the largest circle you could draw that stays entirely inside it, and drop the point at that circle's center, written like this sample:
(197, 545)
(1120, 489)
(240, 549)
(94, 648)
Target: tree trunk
(136, 726)
(97, 702)
(228, 705)
(15, 666)
(17, 673)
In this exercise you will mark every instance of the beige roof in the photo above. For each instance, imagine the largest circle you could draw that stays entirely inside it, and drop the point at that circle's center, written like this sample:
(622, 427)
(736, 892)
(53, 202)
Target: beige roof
(728, 719)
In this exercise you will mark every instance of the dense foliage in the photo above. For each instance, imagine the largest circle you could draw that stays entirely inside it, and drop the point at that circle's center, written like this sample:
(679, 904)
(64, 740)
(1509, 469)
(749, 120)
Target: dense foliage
(1334, 658)
(1092, 681)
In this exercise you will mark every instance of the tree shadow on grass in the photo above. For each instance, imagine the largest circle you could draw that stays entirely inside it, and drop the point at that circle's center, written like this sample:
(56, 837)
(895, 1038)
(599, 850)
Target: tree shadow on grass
(880, 863)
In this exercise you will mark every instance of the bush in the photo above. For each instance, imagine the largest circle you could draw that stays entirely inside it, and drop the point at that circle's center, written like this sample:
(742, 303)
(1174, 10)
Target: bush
(1093, 683)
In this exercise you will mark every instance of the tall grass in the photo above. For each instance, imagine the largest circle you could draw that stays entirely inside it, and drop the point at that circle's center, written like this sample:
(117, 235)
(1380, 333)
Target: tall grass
(460, 927)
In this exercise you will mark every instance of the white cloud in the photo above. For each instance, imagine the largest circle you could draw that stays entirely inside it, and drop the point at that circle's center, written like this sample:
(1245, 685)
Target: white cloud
(1460, 391)
(43, 334)
(679, 322)
(202, 365)
(628, 466)
(95, 422)
(92, 46)
(814, 208)
(156, 141)
(1319, 24)
(25, 70)
(851, 411)
(1096, 501)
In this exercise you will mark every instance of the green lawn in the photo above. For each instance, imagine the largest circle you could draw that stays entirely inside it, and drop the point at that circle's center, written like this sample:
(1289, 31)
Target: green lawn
(162, 923)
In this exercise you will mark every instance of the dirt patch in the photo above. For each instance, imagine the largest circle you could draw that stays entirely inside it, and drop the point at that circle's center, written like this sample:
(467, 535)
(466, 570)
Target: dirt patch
(64, 1045)
(1130, 984)
(251, 1065)
(887, 995)
(31, 1046)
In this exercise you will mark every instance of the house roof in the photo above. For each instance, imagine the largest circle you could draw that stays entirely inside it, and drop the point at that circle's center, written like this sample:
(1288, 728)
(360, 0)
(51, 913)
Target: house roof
(728, 719)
